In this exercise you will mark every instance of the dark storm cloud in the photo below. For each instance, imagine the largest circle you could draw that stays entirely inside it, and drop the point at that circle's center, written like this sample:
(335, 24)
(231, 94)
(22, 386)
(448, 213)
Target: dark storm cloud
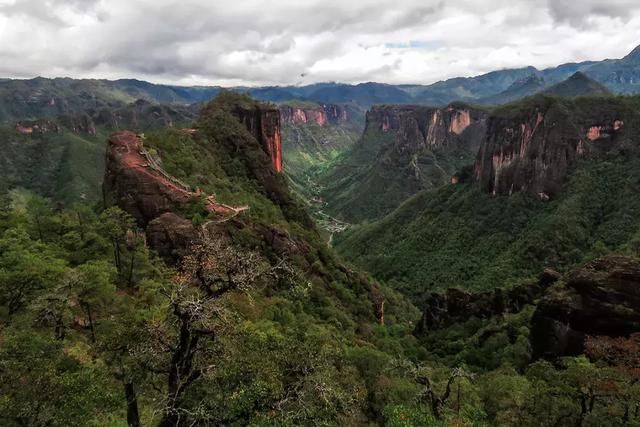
(275, 42)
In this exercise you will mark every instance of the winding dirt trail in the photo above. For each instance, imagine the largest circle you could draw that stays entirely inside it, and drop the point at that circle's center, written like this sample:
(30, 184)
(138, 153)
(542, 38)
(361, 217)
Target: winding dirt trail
(133, 156)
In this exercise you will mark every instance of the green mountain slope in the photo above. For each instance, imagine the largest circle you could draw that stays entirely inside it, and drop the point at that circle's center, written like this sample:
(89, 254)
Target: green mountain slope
(527, 86)
(253, 320)
(460, 236)
(50, 98)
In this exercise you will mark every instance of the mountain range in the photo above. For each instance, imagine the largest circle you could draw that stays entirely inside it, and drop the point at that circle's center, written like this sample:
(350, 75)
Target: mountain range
(41, 97)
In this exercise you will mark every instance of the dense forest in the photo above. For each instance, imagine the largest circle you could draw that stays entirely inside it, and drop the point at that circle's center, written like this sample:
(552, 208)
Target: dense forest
(255, 321)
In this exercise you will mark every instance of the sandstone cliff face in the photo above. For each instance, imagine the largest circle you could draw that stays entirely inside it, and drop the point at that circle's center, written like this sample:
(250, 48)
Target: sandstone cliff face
(536, 149)
(600, 299)
(321, 116)
(404, 149)
(264, 125)
(432, 126)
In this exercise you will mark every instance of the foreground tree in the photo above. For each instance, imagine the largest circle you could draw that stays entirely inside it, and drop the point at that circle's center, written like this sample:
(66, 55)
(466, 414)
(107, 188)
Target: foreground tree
(185, 343)
(436, 386)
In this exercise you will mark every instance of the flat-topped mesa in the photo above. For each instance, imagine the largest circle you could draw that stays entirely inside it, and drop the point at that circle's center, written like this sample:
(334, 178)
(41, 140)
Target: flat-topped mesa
(264, 125)
(320, 115)
(135, 181)
(536, 149)
(435, 126)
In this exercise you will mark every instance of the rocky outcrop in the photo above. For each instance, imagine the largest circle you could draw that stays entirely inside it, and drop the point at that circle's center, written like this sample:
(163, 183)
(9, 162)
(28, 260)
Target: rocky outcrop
(134, 186)
(170, 235)
(264, 125)
(320, 115)
(336, 113)
(432, 126)
(135, 181)
(455, 305)
(460, 120)
(604, 130)
(386, 118)
(534, 149)
(600, 299)
(296, 115)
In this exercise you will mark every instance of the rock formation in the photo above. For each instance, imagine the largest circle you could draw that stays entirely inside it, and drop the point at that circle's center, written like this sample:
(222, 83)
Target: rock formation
(455, 305)
(135, 181)
(264, 125)
(170, 235)
(534, 149)
(434, 126)
(320, 115)
(600, 299)
(133, 185)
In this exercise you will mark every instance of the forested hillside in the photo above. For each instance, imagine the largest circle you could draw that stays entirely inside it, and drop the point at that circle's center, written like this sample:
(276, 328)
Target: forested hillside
(202, 293)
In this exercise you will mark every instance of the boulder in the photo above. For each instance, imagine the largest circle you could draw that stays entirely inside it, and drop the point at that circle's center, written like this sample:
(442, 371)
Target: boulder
(600, 299)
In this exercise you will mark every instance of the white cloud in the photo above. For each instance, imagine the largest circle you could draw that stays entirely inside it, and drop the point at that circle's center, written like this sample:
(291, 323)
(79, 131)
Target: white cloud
(277, 42)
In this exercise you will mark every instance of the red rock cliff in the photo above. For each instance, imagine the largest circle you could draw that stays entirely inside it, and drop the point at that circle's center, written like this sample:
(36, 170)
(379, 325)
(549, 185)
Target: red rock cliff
(131, 184)
(320, 115)
(431, 126)
(536, 149)
(264, 125)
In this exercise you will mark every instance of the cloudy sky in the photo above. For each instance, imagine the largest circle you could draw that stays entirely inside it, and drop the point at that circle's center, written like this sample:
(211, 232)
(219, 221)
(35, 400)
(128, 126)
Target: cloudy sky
(259, 42)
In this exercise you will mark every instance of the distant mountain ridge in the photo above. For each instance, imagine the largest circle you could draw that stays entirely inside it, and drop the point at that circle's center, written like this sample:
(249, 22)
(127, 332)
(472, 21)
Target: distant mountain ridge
(41, 97)
(579, 84)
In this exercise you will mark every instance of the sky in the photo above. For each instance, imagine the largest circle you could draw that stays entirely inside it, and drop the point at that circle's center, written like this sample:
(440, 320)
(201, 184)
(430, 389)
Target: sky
(276, 42)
